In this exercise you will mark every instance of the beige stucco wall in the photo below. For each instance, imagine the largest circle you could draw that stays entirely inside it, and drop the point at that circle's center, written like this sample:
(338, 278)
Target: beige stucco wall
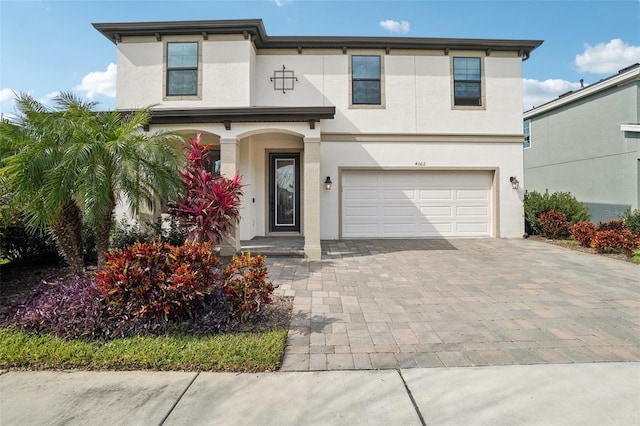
(417, 86)
(417, 122)
(225, 76)
(504, 159)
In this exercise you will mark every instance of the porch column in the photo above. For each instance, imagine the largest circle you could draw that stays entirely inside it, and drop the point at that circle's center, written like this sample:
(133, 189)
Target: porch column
(229, 164)
(311, 210)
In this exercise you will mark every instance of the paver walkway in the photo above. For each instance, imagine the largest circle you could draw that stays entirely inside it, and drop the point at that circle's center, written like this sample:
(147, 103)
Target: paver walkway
(373, 304)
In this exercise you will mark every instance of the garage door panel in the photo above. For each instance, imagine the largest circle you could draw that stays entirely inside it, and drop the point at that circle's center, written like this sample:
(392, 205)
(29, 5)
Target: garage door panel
(399, 229)
(416, 203)
(361, 212)
(477, 228)
(437, 211)
(436, 194)
(362, 231)
(462, 211)
(469, 194)
(397, 179)
(390, 212)
(398, 194)
(356, 194)
(432, 229)
(353, 179)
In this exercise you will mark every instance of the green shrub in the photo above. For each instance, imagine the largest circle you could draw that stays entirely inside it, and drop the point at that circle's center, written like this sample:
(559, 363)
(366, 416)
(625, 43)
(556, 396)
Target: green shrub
(126, 234)
(169, 230)
(156, 283)
(536, 204)
(89, 251)
(245, 279)
(632, 219)
(21, 246)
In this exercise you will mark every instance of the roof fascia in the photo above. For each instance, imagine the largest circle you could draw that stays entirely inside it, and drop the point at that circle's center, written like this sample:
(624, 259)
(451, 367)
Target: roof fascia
(613, 81)
(241, 115)
(115, 31)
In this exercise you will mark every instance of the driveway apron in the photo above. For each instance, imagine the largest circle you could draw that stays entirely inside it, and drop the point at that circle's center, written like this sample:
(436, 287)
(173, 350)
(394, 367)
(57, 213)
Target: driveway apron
(378, 304)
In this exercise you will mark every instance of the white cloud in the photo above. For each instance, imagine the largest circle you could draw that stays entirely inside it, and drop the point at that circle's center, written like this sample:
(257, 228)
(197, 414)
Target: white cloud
(395, 26)
(48, 97)
(6, 94)
(99, 83)
(281, 3)
(538, 92)
(607, 58)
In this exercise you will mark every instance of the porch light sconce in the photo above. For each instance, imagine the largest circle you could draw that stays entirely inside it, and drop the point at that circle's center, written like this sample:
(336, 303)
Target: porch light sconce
(514, 182)
(328, 183)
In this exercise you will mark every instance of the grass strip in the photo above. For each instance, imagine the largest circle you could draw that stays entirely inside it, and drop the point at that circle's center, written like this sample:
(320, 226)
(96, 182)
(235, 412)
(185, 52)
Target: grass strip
(242, 352)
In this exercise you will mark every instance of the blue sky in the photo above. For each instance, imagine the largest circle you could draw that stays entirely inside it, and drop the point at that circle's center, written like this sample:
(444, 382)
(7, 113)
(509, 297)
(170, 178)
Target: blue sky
(50, 46)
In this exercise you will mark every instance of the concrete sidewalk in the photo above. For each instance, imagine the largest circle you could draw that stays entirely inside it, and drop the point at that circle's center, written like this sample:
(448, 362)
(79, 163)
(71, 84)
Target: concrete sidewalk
(567, 394)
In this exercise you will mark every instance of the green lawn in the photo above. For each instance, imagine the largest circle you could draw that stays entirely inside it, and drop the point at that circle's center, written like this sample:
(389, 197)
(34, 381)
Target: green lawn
(239, 352)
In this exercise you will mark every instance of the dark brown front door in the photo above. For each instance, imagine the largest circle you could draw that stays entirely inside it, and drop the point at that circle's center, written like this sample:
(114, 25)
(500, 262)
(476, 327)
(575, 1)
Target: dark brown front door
(284, 192)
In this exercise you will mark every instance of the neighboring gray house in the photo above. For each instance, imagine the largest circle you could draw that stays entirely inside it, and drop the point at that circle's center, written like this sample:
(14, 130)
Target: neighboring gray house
(587, 142)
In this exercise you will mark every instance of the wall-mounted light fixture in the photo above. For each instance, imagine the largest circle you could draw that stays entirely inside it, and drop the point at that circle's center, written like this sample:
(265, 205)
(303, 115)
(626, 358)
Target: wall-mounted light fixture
(514, 182)
(327, 183)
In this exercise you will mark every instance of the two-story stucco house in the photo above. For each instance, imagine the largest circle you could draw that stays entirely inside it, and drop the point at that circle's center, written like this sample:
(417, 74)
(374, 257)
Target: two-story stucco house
(341, 137)
(587, 142)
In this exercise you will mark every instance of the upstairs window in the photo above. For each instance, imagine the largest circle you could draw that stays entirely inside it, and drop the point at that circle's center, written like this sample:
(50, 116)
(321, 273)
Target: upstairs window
(365, 80)
(182, 69)
(527, 134)
(467, 82)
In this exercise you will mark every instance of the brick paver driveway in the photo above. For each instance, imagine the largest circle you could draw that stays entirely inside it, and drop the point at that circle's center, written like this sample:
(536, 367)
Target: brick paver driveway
(459, 302)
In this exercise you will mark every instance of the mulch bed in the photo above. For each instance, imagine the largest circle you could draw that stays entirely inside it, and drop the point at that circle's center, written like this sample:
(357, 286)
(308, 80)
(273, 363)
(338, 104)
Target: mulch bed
(18, 280)
(578, 247)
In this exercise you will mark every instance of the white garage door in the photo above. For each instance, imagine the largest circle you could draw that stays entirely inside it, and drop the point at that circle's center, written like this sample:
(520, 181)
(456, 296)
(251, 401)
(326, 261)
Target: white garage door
(379, 204)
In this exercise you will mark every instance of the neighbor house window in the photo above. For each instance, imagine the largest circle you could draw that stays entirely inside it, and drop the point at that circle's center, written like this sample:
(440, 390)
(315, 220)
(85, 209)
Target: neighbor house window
(365, 80)
(467, 82)
(182, 69)
(527, 133)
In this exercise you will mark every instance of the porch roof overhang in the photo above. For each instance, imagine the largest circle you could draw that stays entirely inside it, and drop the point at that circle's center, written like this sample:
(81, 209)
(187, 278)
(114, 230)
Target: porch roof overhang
(227, 116)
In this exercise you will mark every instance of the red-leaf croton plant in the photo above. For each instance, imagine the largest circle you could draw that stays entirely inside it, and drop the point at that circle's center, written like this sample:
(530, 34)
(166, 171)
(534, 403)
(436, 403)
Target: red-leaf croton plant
(211, 204)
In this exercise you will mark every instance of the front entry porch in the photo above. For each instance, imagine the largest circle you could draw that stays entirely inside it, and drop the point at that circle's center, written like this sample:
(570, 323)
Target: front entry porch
(245, 138)
(274, 246)
(281, 170)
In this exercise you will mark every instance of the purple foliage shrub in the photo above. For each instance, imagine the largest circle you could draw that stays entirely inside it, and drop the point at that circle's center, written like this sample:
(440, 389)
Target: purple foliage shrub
(72, 307)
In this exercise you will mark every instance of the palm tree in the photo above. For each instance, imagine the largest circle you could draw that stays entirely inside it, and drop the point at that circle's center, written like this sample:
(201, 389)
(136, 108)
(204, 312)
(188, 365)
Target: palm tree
(72, 163)
(31, 148)
(115, 160)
